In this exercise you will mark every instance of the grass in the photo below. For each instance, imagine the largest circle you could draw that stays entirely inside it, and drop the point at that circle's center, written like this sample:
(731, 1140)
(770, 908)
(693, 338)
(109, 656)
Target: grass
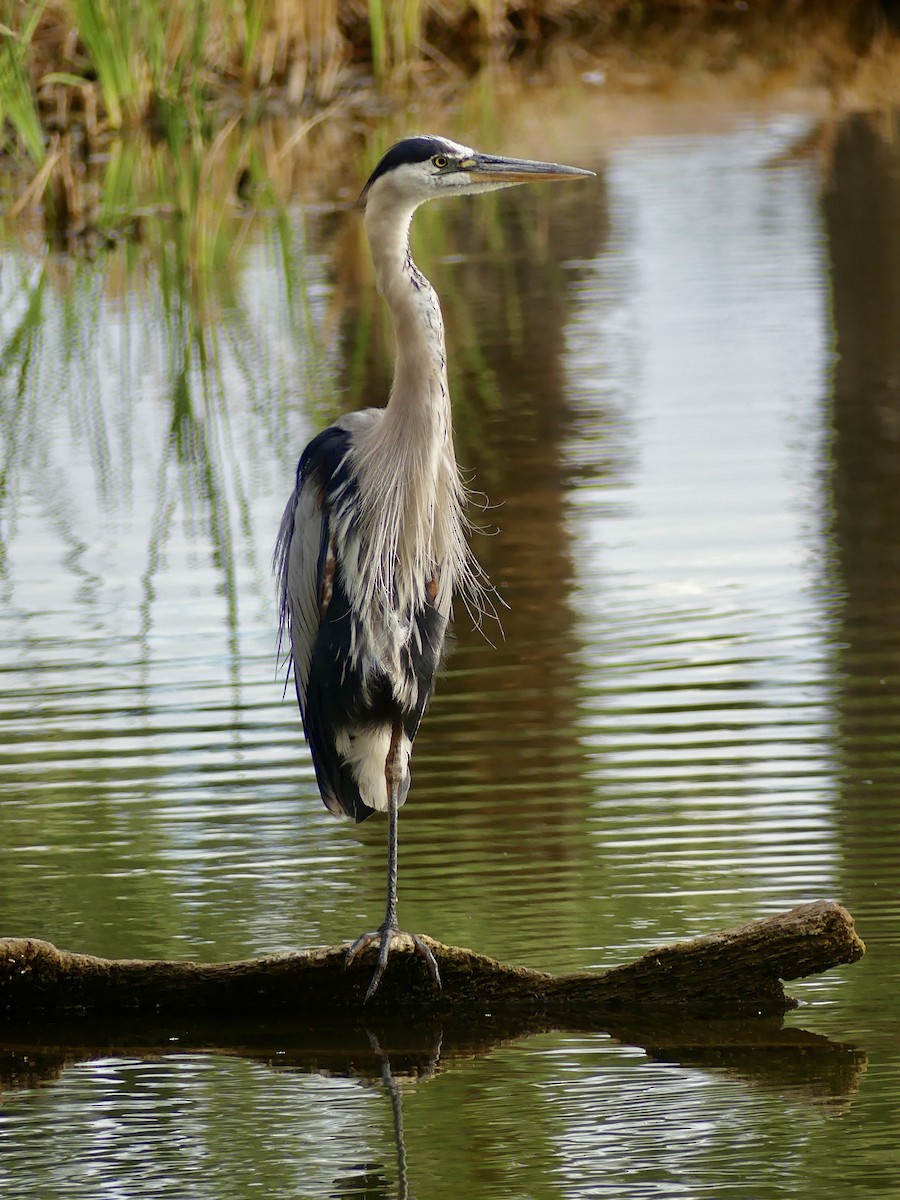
(114, 40)
(395, 36)
(139, 60)
(18, 104)
(79, 79)
(121, 59)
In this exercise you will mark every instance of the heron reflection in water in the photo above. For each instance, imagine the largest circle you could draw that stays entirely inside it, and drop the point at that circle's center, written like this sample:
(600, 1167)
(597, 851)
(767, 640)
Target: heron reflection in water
(372, 546)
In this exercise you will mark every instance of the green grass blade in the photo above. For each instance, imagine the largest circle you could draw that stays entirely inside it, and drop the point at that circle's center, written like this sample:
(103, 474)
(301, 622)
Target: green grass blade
(17, 102)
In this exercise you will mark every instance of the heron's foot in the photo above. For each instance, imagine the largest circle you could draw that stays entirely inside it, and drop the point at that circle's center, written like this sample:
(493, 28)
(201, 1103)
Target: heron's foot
(384, 938)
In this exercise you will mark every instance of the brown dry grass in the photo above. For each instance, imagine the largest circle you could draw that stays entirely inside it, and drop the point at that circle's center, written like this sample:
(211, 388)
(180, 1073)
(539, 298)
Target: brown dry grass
(295, 52)
(470, 64)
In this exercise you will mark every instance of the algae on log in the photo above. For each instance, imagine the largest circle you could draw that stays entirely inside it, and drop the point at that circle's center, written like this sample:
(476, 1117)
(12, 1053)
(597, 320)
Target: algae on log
(739, 971)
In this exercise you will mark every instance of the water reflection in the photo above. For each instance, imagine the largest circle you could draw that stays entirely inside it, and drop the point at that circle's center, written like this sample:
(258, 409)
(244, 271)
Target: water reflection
(862, 494)
(160, 1100)
(135, 543)
(708, 693)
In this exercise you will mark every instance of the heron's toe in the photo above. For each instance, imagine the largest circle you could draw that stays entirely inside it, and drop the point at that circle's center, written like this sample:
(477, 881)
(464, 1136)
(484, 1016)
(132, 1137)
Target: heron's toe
(362, 942)
(426, 952)
(385, 938)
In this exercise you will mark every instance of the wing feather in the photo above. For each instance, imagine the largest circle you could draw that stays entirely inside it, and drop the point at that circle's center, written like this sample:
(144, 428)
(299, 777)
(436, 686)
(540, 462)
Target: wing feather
(300, 557)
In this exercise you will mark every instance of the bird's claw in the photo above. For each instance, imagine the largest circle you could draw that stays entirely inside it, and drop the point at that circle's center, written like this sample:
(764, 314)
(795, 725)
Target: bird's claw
(384, 937)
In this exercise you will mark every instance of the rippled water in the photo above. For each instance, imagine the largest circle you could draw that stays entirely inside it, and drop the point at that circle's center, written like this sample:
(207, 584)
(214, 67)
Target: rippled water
(678, 388)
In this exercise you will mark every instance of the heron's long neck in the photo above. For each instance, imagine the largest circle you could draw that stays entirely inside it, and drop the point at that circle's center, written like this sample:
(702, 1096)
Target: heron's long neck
(420, 399)
(406, 464)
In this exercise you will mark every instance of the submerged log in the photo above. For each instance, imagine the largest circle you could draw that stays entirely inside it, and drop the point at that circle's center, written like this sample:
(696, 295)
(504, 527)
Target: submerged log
(739, 971)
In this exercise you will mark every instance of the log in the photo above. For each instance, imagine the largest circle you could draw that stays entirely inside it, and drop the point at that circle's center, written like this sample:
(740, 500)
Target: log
(737, 972)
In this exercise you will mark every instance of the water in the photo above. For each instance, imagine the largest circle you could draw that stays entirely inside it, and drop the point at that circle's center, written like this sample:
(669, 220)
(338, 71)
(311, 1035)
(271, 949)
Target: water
(678, 388)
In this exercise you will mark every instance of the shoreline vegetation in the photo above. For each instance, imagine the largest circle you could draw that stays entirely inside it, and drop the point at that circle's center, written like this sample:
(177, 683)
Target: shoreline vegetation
(111, 64)
(115, 110)
(104, 66)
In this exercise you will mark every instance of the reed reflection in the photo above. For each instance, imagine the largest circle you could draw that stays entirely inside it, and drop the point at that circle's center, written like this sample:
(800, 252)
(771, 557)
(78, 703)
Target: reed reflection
(146, 380)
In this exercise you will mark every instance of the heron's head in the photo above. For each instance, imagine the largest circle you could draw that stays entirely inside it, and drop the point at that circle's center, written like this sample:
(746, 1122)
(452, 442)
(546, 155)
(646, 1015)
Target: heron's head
(426, 168)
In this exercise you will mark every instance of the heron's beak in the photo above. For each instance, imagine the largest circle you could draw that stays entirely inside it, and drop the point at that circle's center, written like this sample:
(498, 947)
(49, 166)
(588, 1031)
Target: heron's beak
(488, 168)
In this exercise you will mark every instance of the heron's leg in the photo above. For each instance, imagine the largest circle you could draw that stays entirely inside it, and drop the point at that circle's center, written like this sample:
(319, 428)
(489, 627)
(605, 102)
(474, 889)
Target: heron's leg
(389, 928)
(390, 917)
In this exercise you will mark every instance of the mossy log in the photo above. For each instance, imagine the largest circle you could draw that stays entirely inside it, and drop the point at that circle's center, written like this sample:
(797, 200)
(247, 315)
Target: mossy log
(739, 971)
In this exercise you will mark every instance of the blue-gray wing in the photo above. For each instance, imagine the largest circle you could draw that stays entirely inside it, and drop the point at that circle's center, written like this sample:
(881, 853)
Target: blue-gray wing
(304, 554)
(300, 556)
(315, 615)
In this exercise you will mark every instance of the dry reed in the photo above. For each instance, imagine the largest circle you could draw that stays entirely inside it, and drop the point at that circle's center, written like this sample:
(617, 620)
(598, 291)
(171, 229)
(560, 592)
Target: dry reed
(74, 73)
(114, 62)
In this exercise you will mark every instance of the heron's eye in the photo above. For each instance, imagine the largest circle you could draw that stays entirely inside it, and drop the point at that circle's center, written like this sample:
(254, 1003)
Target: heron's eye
(440, 161)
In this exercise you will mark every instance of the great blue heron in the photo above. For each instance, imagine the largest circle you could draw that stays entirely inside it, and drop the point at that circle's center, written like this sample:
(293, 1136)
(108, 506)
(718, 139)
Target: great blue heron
(373, 545)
